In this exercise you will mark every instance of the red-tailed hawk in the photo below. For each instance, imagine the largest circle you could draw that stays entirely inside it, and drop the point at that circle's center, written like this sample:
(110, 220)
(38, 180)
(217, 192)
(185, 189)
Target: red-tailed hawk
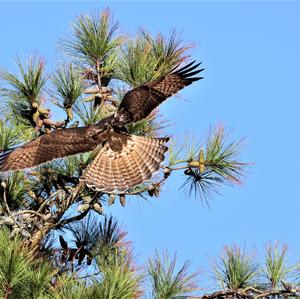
(124, 160)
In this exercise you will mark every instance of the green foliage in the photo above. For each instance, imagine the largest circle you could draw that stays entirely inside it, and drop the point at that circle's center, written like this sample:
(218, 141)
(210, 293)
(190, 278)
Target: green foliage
(24, 90)
(221, 156)
(166, 281)
(235, 269)
(94, 43)
(119, 277)
(151, 126)
(30, 83)
(208, 167)
(8, 136)
(109, 237)
(44, 179)
(74, 165)
(14, 266)
(25, 129)
(88, 114)
(182, 153)
(68, 83)
(39, 281)
(174, 152)
(17, 186)
(276, 269)
(67, 286)
(147, 58)
(100, 239)
(22, 275)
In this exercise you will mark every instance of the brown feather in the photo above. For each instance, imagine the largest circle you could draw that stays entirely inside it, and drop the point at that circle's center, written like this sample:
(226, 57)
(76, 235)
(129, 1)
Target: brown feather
(139, 102)
(58, 144)
(124, 162)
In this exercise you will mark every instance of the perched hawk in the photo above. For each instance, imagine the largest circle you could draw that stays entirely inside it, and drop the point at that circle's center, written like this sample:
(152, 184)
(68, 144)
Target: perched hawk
(124, 160)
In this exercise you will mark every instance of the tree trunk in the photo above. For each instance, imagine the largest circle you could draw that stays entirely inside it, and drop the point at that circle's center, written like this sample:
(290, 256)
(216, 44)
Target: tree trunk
(38, 236)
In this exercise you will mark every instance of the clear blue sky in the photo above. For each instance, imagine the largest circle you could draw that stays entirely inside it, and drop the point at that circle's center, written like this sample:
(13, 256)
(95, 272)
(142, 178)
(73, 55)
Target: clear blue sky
(251, 52)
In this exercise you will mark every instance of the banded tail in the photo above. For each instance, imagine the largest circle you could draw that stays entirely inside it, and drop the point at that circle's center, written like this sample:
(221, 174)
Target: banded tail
(124, 162)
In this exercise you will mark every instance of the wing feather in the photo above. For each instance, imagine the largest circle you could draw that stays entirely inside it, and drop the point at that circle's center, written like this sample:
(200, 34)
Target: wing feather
(139, 102)
(57, 144)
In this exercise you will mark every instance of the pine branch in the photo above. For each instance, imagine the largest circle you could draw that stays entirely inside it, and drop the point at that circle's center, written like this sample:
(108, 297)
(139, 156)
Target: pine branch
(64, 222)
(68, 87)
(253, 294)
(146, 58)
(31, 212)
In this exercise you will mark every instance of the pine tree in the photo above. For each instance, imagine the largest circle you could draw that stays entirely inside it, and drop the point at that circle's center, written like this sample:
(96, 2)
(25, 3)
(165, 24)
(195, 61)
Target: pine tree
(41, 208)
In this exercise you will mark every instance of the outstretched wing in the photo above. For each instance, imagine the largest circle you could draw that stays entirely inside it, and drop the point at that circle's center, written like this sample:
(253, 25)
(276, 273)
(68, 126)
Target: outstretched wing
(138, 103)
(57, 144)
(124, 162)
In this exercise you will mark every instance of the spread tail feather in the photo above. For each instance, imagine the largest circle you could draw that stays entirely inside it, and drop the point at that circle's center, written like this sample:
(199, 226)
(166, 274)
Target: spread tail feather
(124, 162)
(3, 157)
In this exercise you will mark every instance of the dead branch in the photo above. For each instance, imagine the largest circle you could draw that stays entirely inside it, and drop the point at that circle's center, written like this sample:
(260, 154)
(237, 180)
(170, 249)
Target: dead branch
(249, 293)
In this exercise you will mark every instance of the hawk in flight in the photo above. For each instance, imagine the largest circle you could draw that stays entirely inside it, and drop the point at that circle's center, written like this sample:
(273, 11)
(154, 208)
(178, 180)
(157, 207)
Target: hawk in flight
(124, 160)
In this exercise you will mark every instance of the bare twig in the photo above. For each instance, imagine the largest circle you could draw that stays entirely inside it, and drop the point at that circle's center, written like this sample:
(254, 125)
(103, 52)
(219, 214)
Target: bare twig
(6, 205)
